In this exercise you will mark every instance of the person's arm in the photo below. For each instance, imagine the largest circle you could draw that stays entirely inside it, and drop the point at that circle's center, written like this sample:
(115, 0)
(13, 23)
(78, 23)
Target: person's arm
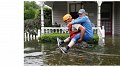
(79, 20)
(82, 29)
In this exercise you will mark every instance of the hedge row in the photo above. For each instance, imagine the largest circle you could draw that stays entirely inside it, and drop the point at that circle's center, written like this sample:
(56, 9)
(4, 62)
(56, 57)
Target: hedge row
(51, 38)
(94, 40)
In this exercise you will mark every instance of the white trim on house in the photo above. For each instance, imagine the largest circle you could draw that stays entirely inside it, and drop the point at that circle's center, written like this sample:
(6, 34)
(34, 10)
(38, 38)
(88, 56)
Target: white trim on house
(99, 13)
(68, 7)
(42, 17)
(113, 19)
(52, 15)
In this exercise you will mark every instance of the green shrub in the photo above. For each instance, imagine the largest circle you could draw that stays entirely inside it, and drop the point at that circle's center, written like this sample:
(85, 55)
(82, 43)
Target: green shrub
(51, 38)
(94, 40)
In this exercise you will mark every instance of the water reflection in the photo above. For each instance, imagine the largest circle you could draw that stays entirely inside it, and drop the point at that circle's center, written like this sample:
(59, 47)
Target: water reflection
(49, 54)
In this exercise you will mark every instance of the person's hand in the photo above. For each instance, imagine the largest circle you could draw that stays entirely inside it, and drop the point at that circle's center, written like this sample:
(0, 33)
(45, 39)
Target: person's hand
(69, 23)
(80, 40)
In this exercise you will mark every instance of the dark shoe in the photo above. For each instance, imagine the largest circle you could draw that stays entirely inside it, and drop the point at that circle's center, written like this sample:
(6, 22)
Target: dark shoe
(64, 50)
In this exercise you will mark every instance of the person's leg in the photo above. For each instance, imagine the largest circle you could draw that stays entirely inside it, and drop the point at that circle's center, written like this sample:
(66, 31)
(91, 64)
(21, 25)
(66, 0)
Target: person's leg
(65, 41)
(86, 39)
(74, 39)
(72, 42)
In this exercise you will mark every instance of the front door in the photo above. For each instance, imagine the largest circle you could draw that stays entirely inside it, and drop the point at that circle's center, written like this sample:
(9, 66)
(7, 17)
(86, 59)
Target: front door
(74, 8)
(106, 17)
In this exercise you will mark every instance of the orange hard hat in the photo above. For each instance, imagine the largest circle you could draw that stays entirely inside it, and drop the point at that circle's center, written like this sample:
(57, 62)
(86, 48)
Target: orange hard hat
(66, 17)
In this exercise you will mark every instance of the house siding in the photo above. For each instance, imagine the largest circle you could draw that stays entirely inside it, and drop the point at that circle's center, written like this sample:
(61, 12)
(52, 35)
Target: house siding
(59, 10)
(117, 18)
(49, 3)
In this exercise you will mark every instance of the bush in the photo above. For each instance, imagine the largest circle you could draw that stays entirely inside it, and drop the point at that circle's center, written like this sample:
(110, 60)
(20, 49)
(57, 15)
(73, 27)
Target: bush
(94, 40)
(51, 38)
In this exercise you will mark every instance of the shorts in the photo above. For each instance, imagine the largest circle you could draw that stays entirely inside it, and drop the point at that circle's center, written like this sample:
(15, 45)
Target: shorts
(86, 38)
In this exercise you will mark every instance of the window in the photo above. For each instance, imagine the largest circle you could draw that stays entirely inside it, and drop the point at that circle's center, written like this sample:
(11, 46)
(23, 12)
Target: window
(74, 7)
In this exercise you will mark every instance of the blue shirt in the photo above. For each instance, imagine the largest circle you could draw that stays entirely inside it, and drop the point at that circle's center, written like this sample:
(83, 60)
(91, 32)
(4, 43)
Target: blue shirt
(85, 22)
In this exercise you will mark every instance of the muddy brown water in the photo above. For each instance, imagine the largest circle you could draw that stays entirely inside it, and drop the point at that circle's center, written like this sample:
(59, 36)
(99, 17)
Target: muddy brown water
(36, 54)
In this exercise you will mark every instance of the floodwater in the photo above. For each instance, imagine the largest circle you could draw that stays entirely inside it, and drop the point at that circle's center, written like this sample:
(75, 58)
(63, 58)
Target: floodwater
(36, 54)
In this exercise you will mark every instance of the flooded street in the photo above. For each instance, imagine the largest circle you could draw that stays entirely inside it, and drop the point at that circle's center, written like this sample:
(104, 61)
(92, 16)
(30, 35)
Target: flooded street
(36, 54)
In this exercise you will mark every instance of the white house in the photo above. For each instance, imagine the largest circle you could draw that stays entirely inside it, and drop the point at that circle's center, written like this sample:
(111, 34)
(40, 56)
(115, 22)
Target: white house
(101, 13)
(104, 14)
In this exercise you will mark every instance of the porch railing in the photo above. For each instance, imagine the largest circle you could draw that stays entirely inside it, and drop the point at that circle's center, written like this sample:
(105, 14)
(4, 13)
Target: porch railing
(98, 30)
(101, 33)
(55, 30)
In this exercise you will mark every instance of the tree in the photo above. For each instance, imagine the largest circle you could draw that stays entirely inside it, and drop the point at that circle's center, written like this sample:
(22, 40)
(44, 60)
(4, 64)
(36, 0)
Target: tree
(31, 12)
(48, 17)
(32, 16)
(30, 9)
